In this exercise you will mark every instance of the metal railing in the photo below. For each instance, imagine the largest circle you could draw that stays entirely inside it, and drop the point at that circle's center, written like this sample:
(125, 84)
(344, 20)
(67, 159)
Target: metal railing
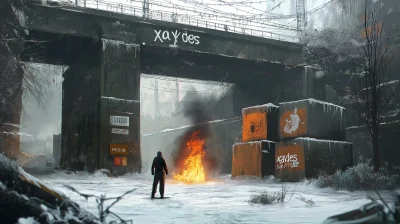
(176, 18)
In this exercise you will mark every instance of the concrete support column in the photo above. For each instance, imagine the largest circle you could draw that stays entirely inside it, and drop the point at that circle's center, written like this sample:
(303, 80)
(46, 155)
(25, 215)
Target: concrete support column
(80, 111)
(120, 107)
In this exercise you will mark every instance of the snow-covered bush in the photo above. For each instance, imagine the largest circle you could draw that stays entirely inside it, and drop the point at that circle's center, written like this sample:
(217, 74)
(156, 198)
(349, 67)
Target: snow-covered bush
(359, 177)
(265, 199)
(262, 198)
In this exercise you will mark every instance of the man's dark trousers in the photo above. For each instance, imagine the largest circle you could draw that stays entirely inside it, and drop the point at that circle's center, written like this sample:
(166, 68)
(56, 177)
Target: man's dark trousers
(158, 177)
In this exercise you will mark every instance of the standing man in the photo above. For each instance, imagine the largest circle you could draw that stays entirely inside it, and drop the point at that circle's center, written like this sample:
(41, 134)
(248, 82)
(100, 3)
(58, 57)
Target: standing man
(158, 169)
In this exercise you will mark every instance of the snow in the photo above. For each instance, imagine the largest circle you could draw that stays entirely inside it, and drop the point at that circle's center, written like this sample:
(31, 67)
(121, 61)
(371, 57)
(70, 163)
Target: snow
(15, 133)
(118, 99)
(327, 106)
(33, 180)
(321, 140)
(256, 142)
(269, 107)
(220, 201)
(29, 220)
(13, 125)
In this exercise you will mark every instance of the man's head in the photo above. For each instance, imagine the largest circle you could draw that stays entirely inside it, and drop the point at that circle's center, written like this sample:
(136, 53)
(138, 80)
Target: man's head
(295, 110)
(159, 154)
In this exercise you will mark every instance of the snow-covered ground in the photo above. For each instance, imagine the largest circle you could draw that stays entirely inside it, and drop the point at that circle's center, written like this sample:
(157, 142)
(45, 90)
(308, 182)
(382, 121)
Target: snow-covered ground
(220, 201)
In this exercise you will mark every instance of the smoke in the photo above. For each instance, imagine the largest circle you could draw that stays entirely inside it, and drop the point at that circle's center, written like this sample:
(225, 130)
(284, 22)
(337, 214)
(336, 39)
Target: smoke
(196, 111)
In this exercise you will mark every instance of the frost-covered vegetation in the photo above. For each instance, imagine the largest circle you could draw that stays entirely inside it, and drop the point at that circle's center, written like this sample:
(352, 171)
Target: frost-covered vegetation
(360, 177)
(266, 198)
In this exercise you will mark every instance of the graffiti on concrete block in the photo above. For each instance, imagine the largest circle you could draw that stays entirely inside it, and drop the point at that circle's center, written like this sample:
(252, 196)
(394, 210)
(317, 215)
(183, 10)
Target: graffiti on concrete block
(175, 37)
(254, 127)
(288, 161)
(289, 157)
(293, 122)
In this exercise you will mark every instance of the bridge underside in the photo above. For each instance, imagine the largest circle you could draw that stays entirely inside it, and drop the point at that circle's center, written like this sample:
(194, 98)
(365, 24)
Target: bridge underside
(103, 80)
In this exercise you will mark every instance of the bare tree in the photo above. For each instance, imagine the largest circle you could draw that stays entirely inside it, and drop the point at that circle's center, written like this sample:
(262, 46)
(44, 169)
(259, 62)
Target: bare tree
(16, 80)
(104, 211)
(376, 83)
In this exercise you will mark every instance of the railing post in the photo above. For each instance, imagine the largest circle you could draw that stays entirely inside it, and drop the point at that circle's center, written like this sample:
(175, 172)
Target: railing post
(97, 3)
(84, 3)
(206, 24)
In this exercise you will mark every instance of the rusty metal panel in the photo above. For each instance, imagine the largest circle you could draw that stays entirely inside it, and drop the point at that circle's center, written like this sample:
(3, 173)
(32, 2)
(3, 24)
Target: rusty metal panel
(246, 159)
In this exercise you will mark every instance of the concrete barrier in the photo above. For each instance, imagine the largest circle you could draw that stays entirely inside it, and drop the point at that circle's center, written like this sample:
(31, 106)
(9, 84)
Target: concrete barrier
(306, 158)
(253, 159)
(311, 118)
(260, 123)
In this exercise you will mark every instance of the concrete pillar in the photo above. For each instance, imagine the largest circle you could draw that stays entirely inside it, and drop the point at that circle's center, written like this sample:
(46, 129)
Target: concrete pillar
(80, 111)
(120, 107)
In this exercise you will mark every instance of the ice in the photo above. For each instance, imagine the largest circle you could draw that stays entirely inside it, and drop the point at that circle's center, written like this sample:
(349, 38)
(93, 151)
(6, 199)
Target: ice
(119, 43)
(118, 99)
(321, 140)
(220, 201)
(328, 107)
(269, 106)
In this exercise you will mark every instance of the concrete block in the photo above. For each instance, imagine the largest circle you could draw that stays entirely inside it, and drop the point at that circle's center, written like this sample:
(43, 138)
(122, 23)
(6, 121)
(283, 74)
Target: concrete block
(306, 158)
(311, 118)
(260, 123)
(253, 159)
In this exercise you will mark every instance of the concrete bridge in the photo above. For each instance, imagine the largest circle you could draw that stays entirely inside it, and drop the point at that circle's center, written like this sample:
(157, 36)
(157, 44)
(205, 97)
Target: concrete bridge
(106, 52)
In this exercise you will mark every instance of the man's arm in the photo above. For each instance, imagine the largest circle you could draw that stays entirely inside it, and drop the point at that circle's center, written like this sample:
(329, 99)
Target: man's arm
(152, 167)
(165, 166)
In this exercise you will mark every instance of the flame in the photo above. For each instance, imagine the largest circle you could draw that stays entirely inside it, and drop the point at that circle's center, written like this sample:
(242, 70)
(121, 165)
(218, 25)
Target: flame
(193, 171)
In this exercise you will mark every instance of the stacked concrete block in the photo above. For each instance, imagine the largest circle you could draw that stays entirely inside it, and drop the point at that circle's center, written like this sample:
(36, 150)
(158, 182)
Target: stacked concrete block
(255, 156)
(311, 118)
(307, 157)
(260, 123)
(253, 159)
(312, 135)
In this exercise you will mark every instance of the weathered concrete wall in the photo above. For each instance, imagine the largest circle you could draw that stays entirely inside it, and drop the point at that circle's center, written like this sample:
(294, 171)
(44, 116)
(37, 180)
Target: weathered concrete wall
(388, 143)
(95, 23)
(120, 86)
(80, 111)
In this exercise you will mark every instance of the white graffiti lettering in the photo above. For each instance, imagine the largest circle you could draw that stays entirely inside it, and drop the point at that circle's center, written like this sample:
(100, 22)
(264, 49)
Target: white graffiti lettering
(165, 35)
(158, 35)
(287, 161)
(176, 34)
(185, 37)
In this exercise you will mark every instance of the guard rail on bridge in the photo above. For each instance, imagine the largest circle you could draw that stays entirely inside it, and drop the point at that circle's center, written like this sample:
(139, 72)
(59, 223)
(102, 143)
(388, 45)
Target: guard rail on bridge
(176, 18)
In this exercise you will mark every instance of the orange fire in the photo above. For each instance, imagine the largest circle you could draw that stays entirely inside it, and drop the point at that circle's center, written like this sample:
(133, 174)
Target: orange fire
(193, 171)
